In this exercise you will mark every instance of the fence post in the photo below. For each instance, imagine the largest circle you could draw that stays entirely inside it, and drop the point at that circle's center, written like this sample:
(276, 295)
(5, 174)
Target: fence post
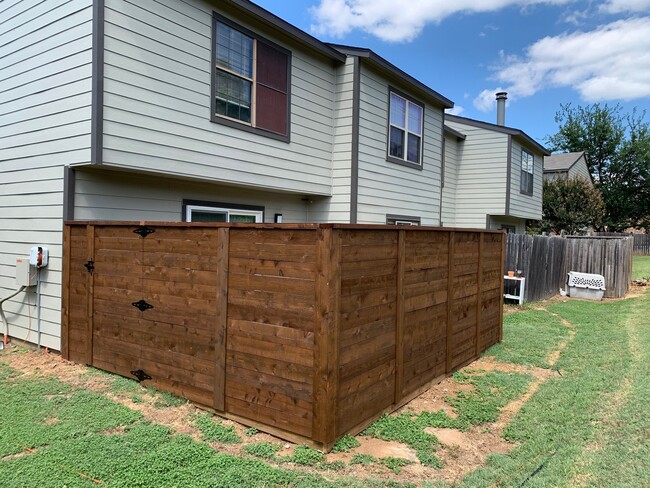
(400, 318)
(450, 299)
(479, 303)
(221, 322)
(91, 294)
(65, 295)
(326, 337)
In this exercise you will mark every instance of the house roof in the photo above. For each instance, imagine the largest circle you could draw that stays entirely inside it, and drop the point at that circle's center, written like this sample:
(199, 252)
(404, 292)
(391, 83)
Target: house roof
(394, 72)
(561, 162)
(454, 132)
(499, 128)
(337, 53)
(294, 33)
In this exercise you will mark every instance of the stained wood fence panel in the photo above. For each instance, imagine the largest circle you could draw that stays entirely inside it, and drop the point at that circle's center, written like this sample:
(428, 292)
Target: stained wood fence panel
(270, 334)
(424, 272)
(368, 307)
(491, 314)
(308, 332)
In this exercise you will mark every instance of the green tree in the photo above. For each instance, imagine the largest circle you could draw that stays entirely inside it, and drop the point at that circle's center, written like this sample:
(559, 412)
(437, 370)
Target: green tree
(571, 205)
(618, 150)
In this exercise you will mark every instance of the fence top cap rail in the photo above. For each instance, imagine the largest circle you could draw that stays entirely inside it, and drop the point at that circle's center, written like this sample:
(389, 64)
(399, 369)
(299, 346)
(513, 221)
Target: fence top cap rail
(413, 228)
(598, 237)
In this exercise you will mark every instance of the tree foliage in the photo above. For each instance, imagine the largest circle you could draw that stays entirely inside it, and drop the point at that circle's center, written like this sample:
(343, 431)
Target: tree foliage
(571, 205)
(618, 153)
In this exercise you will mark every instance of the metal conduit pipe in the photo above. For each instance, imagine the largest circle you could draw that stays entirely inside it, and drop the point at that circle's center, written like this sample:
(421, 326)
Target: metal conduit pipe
(2, 314)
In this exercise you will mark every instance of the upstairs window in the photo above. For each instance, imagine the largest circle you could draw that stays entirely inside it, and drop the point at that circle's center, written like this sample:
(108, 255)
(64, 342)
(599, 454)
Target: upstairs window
(405, 130)
(527, 171)
(250, 81)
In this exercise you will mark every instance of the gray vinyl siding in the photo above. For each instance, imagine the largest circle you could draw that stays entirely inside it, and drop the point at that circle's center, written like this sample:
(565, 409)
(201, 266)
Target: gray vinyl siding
(386, 187)
(482, 175)
(499, 221)
(580, 169)
(337, 208)
(157, 104)
(114, 195)
(452, 147)
(521, 204)
(45, 105)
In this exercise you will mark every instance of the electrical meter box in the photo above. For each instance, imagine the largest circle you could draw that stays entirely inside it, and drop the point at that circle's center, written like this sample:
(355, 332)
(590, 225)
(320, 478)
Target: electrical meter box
(25, 273)
(39, 256)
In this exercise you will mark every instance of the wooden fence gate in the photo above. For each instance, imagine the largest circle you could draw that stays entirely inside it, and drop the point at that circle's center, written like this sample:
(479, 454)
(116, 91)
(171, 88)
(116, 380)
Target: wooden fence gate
(308, 332)
(151, 305)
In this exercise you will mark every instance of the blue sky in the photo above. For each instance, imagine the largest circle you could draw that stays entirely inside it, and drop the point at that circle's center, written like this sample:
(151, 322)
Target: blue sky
(543, 53)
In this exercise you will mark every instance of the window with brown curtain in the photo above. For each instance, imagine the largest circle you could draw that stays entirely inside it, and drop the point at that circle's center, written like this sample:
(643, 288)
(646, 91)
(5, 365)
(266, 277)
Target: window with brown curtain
(251, 80)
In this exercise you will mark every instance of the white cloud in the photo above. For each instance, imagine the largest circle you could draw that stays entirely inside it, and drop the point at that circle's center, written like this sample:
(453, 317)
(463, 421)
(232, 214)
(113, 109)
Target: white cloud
(618, 6)
(457, 110)
(576, 17)
(399, 22)
(609, 63)
(486, 100)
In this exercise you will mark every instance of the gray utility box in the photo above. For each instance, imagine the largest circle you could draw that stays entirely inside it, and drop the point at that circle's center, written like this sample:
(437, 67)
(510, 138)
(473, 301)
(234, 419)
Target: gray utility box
(25, 273)
(586, 285)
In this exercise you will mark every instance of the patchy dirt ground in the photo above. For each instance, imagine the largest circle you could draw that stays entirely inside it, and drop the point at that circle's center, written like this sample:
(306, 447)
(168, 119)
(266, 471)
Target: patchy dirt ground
(460, 452)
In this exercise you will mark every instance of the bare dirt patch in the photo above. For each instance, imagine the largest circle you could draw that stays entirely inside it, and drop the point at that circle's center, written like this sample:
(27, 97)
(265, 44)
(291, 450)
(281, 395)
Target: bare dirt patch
(24, 453)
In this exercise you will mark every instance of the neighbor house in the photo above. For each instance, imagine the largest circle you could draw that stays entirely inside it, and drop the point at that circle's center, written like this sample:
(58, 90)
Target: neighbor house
(220, 111)
(492, 174)
(567, 165)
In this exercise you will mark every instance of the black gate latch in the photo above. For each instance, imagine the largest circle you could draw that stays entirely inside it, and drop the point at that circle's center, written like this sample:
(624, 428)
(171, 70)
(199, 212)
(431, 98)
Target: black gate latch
(144, 230)
(140, 375)
(142, 305)
(90, 266)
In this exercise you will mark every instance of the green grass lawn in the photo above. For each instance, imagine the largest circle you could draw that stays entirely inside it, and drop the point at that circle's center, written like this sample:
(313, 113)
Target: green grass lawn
(640, 267)
(585, 426)
(588, 425)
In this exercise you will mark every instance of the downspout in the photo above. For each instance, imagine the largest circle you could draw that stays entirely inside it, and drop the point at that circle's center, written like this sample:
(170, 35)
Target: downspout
(38, 308)
(354, 156)
(97, 106)
(442, 170)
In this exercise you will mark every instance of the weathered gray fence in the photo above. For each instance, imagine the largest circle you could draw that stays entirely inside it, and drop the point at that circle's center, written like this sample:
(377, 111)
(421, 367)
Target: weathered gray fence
(546, 261)
(642, 244)
(641, 241)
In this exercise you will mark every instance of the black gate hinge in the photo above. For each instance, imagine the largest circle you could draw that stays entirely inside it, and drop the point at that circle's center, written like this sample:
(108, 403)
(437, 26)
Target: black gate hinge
(142, 305)
(144, 230)
(140, 375)
(90, 266)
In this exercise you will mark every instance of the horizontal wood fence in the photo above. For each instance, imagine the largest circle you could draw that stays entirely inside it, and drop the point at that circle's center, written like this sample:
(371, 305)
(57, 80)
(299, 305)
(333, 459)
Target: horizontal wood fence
(308, 332)
(545, 262)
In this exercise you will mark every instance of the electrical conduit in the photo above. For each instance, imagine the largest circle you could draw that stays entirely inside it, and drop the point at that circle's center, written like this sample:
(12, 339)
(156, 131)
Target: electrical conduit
(2, 314)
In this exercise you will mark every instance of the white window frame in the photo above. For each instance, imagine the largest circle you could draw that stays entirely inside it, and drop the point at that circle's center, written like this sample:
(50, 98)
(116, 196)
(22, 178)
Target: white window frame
(528, 167)
(410, 103)
(258, 214)
(402, 220)
(252, 79)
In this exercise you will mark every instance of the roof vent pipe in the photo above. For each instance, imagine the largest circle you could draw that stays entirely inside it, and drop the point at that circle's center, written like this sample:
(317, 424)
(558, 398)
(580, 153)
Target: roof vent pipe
(501, 108)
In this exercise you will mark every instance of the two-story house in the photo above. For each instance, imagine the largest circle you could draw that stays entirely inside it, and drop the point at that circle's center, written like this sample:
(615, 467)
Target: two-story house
(220, 111)
(567, 165)
(492, 174)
